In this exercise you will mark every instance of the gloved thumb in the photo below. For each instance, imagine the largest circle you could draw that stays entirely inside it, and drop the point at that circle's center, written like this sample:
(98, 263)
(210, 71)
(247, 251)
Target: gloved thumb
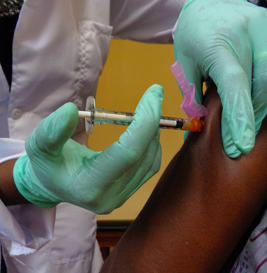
(53, 132)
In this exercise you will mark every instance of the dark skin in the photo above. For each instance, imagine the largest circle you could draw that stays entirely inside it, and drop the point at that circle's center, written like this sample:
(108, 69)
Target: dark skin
(200, 208)
(9, 193)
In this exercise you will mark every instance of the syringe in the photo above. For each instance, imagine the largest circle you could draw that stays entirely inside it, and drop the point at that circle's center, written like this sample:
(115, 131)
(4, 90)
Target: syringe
(101, 116)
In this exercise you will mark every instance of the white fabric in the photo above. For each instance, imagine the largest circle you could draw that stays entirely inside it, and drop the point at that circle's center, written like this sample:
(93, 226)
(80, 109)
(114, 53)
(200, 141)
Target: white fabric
(4, 98)
(59, 50)
(72, 249)
(7, 153)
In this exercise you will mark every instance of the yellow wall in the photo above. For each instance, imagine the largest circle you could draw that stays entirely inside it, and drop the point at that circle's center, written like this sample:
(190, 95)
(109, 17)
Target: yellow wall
(130, 69)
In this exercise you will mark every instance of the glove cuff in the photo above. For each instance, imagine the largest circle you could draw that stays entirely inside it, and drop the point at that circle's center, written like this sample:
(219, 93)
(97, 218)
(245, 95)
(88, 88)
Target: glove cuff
(29, 187)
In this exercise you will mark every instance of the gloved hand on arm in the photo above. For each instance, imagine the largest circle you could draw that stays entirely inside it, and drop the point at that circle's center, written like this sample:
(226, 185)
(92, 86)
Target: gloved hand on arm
(57, 169)
(226, 41)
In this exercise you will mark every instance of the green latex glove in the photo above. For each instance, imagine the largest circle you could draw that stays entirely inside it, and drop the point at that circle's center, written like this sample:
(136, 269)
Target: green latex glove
(57, 169)
(226, 41)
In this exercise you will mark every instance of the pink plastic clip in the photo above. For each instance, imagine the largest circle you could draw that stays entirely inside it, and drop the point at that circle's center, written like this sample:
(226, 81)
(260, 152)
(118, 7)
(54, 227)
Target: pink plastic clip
(189, 106)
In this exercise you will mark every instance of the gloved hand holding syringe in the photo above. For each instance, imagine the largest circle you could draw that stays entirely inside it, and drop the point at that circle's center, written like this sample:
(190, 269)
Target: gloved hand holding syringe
(58, 169)
(101, 116)
(193, 110)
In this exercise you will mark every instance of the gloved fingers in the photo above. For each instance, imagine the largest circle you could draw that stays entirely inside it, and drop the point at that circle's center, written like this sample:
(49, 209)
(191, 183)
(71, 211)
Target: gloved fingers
(233, 86)
(122, 155)
(104, 184)
(99, 175)
(259, 87)
(144, 127)
(147, 166)
(53, 132)
(228, 144)
(155, 158)
(259, 81)
(134, 177)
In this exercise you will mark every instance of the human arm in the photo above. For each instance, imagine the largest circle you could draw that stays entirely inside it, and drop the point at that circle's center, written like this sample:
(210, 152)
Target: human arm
(226, 41)
(144, 20)
(200, 208)
(9, 193)
(11, 150)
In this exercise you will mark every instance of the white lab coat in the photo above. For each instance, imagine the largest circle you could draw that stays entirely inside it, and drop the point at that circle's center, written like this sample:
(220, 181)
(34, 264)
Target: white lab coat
(59, 49)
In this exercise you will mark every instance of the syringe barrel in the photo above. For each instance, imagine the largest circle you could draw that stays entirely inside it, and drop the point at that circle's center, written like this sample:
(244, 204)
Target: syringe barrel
(102, 116)
(171, 123)
(94, 116)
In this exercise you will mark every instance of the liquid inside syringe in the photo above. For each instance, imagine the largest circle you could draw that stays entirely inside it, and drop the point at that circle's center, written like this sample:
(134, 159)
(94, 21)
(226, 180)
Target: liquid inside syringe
(101, 116)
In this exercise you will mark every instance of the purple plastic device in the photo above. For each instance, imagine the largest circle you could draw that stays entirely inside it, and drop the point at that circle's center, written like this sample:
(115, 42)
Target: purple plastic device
(189, 106)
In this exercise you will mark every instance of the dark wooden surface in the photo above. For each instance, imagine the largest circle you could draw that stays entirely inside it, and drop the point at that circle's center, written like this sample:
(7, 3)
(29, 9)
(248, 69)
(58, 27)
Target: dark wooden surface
(109, 233)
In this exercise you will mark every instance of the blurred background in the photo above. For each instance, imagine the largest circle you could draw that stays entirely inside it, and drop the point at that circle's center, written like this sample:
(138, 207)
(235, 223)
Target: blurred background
(130, 69)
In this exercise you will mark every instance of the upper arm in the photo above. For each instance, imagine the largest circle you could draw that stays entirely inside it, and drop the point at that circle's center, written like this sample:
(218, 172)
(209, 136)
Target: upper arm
(201, 207)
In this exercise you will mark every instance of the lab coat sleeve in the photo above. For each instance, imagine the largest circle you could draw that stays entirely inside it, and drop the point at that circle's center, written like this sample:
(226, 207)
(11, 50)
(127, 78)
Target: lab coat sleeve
(148, 21)
(24, 228)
